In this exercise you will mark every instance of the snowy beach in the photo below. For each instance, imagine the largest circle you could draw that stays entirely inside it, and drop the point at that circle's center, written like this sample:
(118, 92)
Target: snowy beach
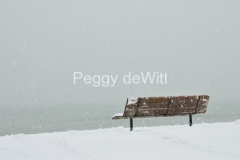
(201, 141)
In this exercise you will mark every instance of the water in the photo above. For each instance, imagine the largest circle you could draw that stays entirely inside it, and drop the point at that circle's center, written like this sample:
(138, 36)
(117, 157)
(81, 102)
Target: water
(40, 119)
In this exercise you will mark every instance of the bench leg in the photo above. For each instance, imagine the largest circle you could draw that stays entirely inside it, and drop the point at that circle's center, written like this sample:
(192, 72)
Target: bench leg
(190, 120)
(131, 123)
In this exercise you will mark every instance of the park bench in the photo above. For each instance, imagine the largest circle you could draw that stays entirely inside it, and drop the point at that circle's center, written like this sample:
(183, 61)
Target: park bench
(142, 107)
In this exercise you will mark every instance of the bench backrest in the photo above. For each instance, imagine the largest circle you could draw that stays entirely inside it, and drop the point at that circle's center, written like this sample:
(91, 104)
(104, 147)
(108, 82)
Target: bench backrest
(141, 107)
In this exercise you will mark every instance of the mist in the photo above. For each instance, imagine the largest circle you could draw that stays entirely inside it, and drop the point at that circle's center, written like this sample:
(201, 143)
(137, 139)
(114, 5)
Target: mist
(42, 43)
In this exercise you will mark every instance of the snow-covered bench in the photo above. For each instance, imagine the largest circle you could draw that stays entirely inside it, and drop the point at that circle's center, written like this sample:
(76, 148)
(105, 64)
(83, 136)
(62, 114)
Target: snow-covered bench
(142, 107)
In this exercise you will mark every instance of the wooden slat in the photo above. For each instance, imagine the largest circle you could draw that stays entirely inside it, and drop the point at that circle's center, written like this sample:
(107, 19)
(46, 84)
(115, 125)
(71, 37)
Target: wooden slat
(203, 103)
(182, 105)
(153, 106)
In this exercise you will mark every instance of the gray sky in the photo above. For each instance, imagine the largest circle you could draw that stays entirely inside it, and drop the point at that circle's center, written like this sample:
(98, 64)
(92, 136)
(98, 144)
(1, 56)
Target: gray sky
(43, 42)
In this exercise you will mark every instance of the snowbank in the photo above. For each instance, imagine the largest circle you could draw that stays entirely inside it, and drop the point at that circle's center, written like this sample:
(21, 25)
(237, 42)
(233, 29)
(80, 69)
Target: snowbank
(219, 141)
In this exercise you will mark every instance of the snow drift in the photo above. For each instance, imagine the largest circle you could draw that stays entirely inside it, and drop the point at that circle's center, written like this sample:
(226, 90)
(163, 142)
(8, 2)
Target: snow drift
(201, 141)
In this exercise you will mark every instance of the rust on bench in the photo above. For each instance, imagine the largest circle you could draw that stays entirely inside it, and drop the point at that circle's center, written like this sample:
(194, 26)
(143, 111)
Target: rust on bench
(142, 107)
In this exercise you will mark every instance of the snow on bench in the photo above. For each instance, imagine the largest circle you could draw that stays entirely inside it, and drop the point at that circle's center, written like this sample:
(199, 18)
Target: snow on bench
(141, 107)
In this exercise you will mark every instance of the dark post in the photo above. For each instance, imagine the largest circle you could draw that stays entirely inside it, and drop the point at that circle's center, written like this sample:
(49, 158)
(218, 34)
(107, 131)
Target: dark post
(190, 120)
(131, 123)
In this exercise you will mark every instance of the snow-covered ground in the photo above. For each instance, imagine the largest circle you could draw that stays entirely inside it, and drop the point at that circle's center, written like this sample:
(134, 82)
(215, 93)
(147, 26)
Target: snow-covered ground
(219, 141)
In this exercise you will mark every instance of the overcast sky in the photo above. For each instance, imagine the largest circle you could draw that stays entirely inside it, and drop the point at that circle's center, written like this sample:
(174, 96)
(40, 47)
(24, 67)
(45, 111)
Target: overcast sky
(197, 43)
